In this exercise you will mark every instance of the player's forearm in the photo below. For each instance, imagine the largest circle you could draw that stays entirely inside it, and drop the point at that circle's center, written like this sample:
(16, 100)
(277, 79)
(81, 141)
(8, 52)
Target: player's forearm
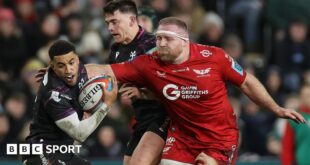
(258, 93)
(87, 126)
(97, 69)
(80, 130)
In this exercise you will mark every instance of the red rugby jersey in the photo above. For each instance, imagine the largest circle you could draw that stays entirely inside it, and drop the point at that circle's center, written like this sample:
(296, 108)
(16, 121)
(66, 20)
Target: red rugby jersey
(194, 93)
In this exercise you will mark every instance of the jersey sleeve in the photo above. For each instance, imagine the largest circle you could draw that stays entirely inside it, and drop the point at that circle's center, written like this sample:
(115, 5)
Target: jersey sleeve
(231, 70)
(58, 107)
(129, 72)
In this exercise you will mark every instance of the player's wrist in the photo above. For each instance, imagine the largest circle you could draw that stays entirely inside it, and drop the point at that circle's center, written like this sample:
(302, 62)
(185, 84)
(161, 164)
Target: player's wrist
(108, 103)
(103, 107)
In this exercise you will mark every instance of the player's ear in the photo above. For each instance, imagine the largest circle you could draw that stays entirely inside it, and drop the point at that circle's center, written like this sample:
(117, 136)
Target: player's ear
(133, 20)
(77, 59)
(51, 64)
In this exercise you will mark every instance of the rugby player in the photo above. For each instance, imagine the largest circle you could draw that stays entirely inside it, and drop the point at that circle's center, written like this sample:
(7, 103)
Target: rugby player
(189, 79)
(57, 113)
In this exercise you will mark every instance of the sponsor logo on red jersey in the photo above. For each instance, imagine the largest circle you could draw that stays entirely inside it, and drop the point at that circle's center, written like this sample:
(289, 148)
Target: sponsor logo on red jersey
(173, 92)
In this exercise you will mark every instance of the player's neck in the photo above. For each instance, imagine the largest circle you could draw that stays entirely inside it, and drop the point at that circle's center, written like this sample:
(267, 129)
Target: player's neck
(131, 35)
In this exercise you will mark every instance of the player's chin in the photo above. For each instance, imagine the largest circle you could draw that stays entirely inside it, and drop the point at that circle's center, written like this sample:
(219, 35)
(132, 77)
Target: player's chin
(71, 82)
(165, 58)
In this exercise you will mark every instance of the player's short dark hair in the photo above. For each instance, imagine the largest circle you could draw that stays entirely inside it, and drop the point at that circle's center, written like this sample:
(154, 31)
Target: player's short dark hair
(174, 21)
(60, 47)
(124, 6)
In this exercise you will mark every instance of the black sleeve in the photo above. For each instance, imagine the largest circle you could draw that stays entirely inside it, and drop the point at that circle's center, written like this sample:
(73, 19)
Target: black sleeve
(58, 107)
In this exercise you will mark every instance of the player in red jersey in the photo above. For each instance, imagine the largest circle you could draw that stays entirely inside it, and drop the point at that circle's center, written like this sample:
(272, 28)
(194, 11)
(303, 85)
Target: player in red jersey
(189, 79)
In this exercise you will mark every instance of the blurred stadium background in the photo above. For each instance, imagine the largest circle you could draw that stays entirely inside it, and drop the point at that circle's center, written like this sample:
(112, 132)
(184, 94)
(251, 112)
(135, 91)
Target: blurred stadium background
(267, 37)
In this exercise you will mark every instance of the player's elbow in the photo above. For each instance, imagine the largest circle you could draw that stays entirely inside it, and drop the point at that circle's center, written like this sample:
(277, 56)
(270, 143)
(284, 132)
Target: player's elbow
(79, 139)
(79, 136)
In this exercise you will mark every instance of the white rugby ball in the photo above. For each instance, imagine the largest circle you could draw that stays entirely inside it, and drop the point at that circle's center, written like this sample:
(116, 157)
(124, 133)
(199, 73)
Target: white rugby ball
(91, 93)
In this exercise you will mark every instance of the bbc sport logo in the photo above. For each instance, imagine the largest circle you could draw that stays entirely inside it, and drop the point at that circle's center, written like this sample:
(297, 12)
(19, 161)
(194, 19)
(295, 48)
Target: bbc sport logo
(37, 149)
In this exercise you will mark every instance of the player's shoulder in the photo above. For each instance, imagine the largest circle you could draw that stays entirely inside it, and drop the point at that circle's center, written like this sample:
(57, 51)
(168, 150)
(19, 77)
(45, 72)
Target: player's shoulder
(52, 85)
(206, 51)
(57, 96)
(147, 42)
(146, 59)
(148, 37)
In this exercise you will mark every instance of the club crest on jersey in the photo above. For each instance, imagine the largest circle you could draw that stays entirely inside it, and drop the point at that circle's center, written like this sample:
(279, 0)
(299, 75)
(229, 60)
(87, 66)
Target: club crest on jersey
(202, 72)
(132, 55)
(81, 83)
(237, 67)
(205, 53)
(55, 96)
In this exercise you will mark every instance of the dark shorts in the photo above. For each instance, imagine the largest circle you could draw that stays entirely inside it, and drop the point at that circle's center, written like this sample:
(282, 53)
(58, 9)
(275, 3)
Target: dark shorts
(158, 126)
(55, 159)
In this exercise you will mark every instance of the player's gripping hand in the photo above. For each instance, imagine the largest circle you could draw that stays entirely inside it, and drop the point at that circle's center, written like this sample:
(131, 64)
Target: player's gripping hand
(110, 96)
(290, 114)
(40, 74)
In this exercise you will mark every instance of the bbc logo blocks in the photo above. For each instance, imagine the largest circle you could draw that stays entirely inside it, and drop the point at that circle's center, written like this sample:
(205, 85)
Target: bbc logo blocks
(37, 149)
(11, 149)
(24, 149)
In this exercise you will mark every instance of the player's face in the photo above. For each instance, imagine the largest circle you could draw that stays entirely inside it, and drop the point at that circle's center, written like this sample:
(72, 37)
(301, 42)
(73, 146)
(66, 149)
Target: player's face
(119, 25)
(66, 67)
(169, 47)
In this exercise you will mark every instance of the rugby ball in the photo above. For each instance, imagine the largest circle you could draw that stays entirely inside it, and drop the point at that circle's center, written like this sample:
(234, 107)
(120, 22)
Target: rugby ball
(91, 93)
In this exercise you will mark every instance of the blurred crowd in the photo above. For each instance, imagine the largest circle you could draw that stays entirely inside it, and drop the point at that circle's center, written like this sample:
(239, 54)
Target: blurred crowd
(269, 38)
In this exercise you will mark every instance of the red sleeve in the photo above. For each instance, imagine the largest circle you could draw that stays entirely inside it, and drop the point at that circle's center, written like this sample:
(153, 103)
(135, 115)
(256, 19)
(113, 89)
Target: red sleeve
(128, 72)
(287, 156)
(231, 70)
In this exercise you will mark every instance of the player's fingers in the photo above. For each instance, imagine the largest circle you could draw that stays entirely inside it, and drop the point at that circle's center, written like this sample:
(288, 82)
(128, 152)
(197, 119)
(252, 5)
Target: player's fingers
(43, 69)
(39, 74)
(292, 116)
(126, 93)
(124, 89)
(39, 78)
(132, 94)
(299, 117)
(123, 85)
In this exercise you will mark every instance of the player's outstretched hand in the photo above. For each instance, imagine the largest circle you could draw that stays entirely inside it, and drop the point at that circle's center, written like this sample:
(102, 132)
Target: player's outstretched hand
(291, 114)
(40, 74)
(110, 96)
(204, 159)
